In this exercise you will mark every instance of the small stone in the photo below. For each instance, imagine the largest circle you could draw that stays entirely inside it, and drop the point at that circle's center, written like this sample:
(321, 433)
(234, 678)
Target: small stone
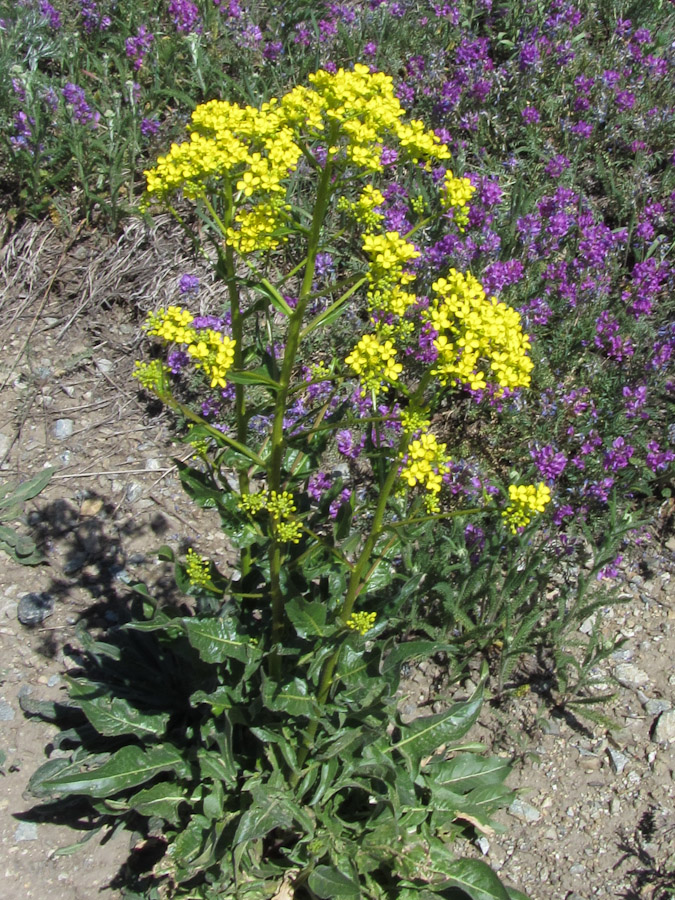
(589, 763)
(6, 711)
(628, 675)
(26, 831)
(614, 806)
(91, 507)
(53, 680)
(153, 464)
(105, 366)
(483, 845)
(63, 428)
(551, 834)
(577, 869)
(5, 444)
(34, 608)
(657, 705)
(519, 809)
(550, 726)
(588, 624)
(133, 491)
(664, 730)
(617, 760)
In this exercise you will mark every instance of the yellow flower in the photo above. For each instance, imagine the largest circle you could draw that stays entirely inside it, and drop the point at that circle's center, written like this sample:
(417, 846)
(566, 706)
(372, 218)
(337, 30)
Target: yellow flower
(374, 362)
(526, 499)
(361, 621)
(425, 463)
(197, 569)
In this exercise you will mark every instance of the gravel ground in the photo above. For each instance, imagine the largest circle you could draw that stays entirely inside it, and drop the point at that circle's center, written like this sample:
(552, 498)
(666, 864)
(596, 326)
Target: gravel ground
(595, 815)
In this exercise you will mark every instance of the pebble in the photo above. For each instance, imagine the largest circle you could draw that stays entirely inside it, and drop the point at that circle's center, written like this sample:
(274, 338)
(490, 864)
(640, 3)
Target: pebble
(656, 705)
(63, 428)
(617, 760)
(524, 811)
(34, 608)
(664, 731)
(628, 675)
(483, 845)
(26, 831)
(133, 491)
(105, 366)
(153, 464)
(6, 711)
(5, 443)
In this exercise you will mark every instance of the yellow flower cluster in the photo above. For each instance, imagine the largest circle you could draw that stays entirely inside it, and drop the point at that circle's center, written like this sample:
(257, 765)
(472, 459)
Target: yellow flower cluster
(197, 569)
(280, 506)
(361, 621)
(414, 419)
(425, 463)
(374, 362)
(455, 194)
(526, 499)
(474, 331)
(172, 325)
(388, 254)
(211, 351)
(363, 210)
(151, 375)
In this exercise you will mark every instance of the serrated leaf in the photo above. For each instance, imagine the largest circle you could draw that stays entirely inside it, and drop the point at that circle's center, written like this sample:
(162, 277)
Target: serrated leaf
(127, 768)
(328, 882)
(307, 618)
(476, 879)
(422, 737)
(216, 639)
(113, 716)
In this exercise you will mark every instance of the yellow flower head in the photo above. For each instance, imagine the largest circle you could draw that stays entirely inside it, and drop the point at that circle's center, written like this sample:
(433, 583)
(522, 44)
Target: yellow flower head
(361, 621)
(425, 463)
(526, 500)
(374, 362)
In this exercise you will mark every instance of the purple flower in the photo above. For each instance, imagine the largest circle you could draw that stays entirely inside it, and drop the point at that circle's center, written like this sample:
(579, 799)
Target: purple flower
(625, 100)
(635, 399)
(582, 129)
(530, 115)
(346, 444)
(618, 456)
(549, 462)
(611, 570)
(53, 15)
(370, 49)
(138, 45)
(318, 484)
(529, 55)
(185, 15)
(23, 138)
(149, 127)
(658, 460)
(91, 17)
(557, 165)
(344, 497)
(188, 284)
(177, 360)
(81, 111)
(273, 50)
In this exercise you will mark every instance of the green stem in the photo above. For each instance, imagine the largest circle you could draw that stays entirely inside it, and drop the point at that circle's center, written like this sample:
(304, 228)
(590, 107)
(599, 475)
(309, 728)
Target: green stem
(276, 456)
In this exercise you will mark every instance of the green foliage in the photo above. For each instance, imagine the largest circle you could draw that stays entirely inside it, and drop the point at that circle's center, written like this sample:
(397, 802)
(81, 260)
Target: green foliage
(20, 547)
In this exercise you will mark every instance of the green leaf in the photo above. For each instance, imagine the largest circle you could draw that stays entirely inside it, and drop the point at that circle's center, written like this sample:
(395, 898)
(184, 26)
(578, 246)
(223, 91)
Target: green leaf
(216, 639)
(113, 716)
(294, 698)
(422, 737)
(477, 879)
(515, 894)
(307, 618)
(277, 300)
(199, 486)
(466, 771)
(259, 820)
(257, 376)
(27, 489)
(128, 767)
(328, 882)
(162, 800)
(404, 653)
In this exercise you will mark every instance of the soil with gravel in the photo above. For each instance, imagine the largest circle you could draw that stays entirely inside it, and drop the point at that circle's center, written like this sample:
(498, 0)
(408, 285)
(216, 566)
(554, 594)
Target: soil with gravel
(595, 815)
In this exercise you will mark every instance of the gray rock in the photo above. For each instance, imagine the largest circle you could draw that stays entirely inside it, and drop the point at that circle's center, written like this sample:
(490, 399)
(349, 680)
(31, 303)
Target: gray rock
(63, 428)
(5, 444)
(6, 711)
(656, 706)
(34, 608)
(133, 491)
(629, 675)
(26, 831)
(617, 760)
(664, 731)
(105, 366)
(524, 811)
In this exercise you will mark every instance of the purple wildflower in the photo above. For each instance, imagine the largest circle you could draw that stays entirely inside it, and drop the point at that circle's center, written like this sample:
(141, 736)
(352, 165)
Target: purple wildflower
(138, 45)
(185, 15)
(188, 284)
(52, 15)
(658, 460)
(81, 111)
(346, 444)
(149, 127)
(530, 115)
(318, 484)
(344, 497)
(549, 462)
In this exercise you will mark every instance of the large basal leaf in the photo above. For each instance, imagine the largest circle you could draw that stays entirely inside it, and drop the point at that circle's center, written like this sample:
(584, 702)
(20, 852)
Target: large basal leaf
(127, 768)
(162, 800)
(217, 640)
(113, 716)
(294, 698)
(26, 490)
(476, 879)
(327, 883)
(308, 619)
(424, 736)
(467, 771)
(408, 652)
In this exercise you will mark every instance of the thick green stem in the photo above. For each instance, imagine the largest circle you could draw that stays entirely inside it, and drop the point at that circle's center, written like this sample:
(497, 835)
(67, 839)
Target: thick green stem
(275, 460)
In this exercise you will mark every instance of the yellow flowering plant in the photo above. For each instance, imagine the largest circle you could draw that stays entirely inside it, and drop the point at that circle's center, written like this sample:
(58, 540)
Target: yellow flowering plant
(293, 770)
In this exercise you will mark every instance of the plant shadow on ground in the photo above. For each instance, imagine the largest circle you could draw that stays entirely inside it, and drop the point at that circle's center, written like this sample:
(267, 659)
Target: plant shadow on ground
(651, 879)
